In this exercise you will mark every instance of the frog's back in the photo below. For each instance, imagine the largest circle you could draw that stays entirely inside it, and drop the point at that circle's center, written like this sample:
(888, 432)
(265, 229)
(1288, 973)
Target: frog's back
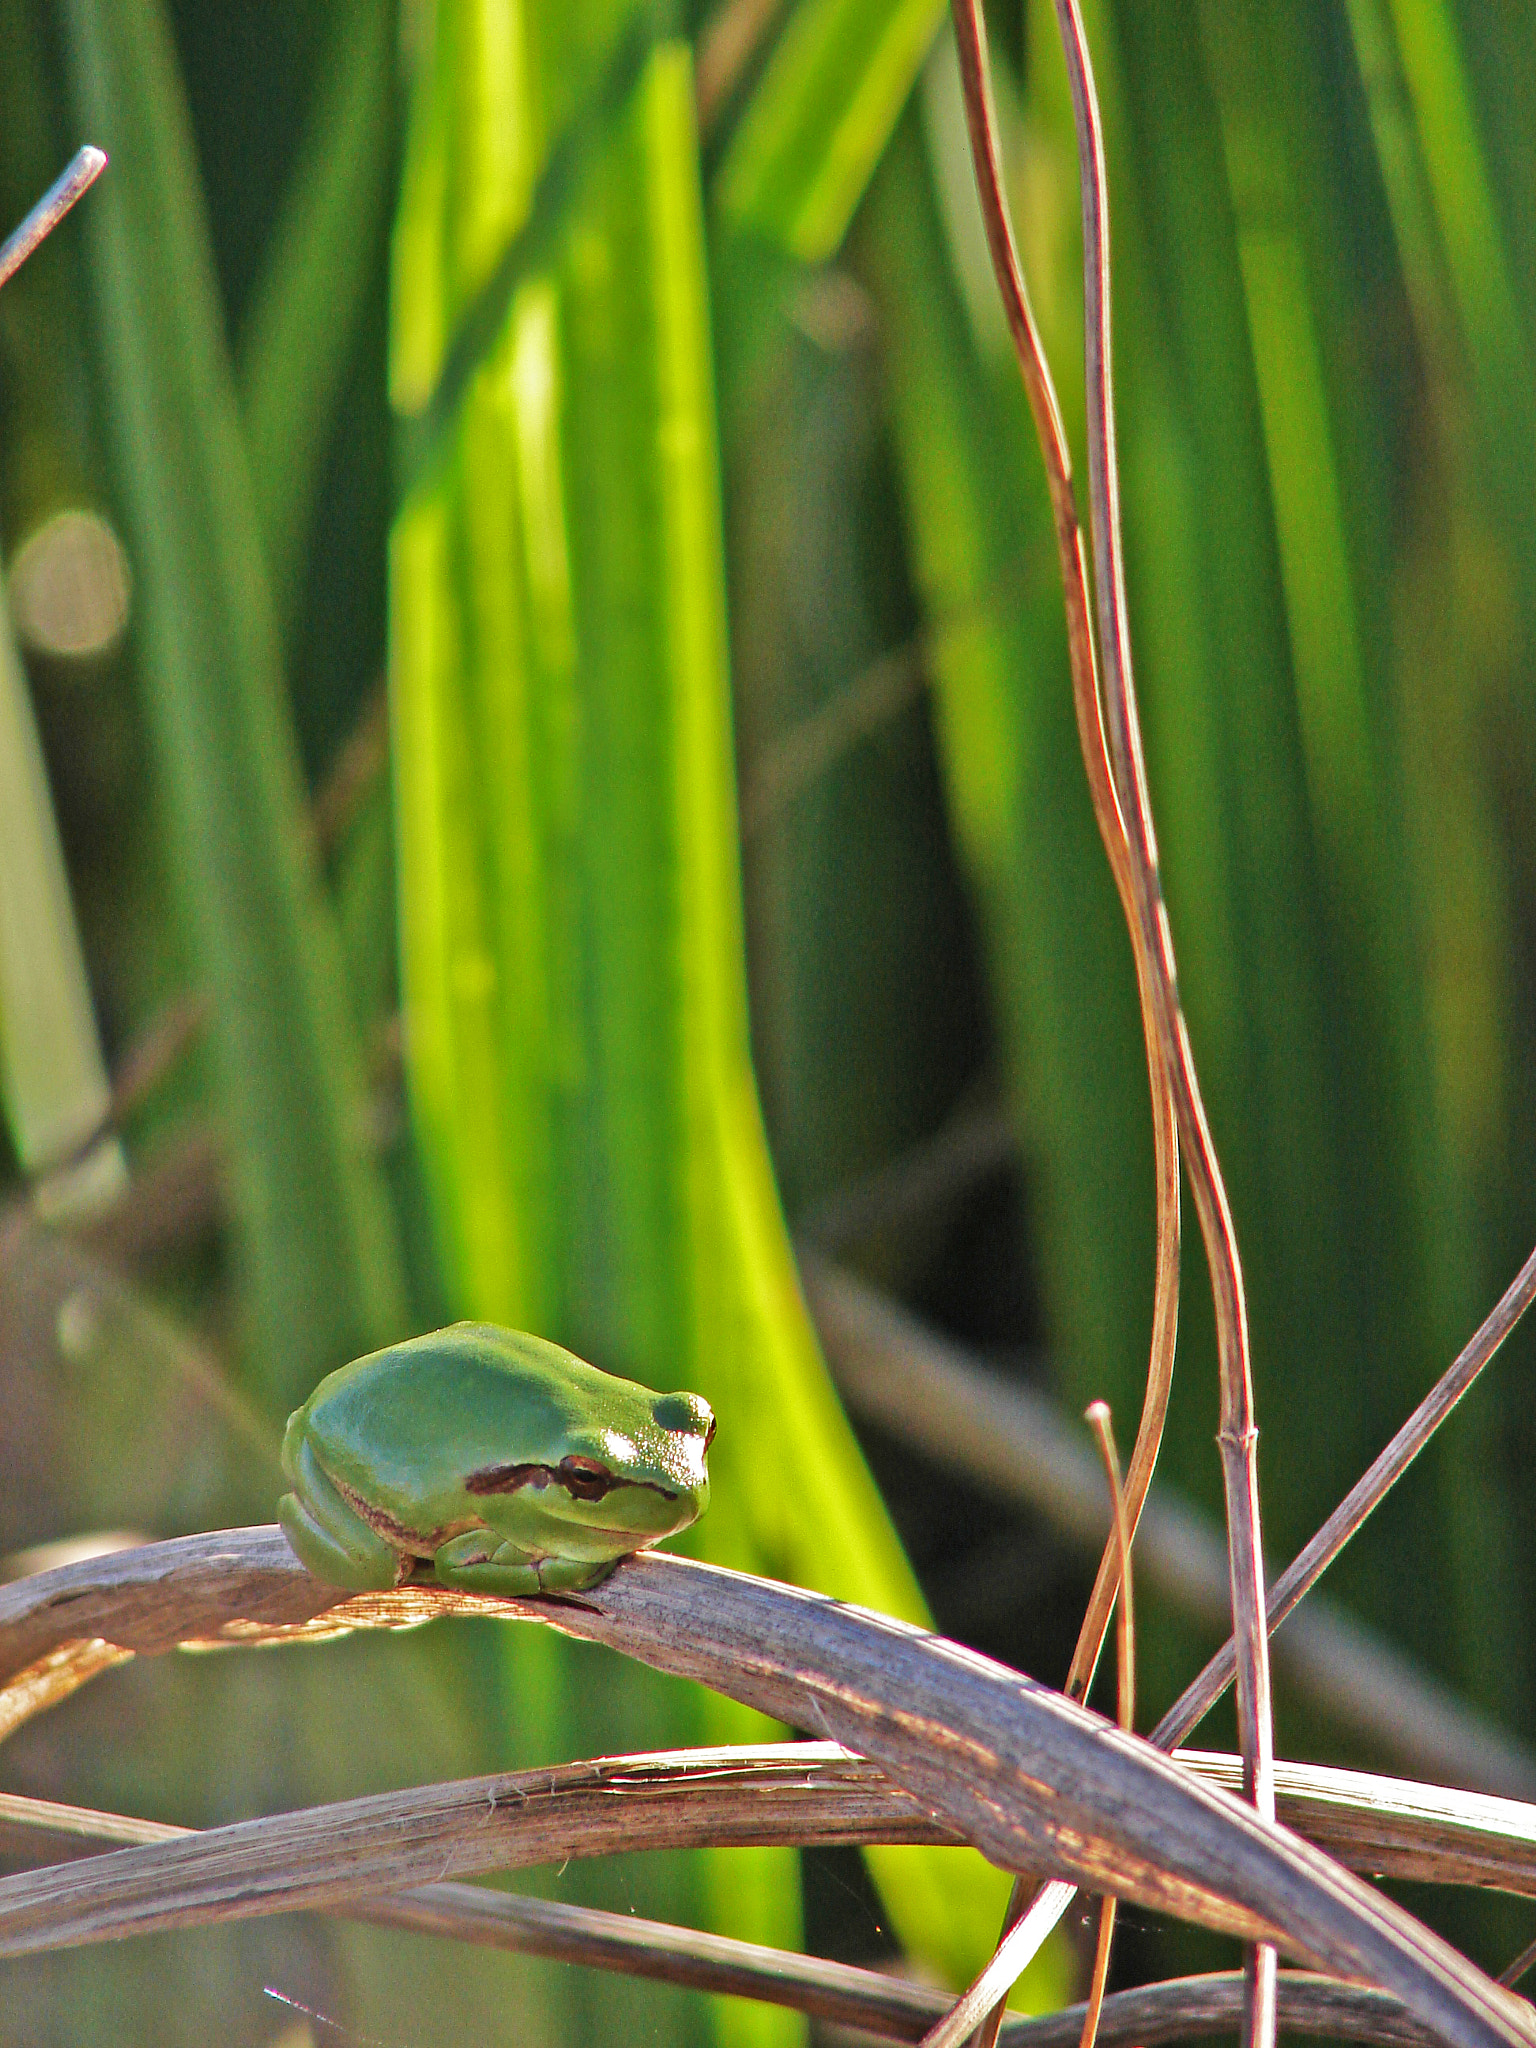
(406, 1426)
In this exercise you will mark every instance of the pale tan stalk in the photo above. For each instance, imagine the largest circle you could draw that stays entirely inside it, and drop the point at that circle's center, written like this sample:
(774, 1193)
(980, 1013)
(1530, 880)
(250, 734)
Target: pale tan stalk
(1125, 1700)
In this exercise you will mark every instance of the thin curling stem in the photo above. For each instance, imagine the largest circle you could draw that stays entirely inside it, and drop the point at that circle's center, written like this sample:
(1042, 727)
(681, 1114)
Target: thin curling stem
(1237, 1435)
(981, 121)
(1136, 866)
(84, 168)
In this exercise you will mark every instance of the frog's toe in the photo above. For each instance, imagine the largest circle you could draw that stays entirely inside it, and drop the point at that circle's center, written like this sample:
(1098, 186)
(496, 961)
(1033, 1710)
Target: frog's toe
(476, 1563)
(357, 1559)
(567, 1575)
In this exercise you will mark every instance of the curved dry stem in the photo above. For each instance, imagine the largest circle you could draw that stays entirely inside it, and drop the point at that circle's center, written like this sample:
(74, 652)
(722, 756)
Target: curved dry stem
(981, 122)
(928, 1390)
(784, 1794)
(1108, 807)
(1151, 936)
(1379, 1826)
(1026, 1935)
(839, 1992)
(1032, 1780)
(1237, 1435)
(1181, 2009)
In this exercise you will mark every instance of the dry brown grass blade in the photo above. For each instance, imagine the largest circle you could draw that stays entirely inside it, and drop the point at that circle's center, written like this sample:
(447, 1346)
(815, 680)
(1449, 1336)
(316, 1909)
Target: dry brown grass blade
(1382, 1826)
(321, 1856)
(1125, 1702)
(839, 1992)
(1034, 1781)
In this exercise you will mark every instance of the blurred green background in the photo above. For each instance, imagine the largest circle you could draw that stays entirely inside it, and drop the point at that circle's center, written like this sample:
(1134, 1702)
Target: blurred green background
(537, 774)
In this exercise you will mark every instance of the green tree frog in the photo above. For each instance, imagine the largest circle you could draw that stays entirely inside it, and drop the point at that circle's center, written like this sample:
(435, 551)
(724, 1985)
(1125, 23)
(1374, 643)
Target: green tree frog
(513, 1465)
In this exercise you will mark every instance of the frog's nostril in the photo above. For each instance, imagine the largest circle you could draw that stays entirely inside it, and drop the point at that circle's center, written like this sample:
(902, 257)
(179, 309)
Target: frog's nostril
(685, 1415)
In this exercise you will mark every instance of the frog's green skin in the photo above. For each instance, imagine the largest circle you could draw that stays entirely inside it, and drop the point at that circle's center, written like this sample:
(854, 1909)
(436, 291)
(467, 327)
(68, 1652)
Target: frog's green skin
(514, 1466)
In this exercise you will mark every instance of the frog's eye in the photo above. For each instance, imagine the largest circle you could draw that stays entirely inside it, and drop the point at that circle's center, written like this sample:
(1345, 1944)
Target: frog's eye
(584, 1478)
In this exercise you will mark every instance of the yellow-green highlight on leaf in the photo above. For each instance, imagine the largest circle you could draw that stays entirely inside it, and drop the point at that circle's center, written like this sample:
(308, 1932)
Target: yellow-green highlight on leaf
(1455, 248)
(1472, 236)
(52, 1076)
(571, 916)
(316, 1229)
(818, 123)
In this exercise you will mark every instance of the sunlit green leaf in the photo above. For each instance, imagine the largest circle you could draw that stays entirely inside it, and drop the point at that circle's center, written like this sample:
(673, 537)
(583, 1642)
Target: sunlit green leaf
(316, 1226)
(816, 124)
(52, 1077)
(325, 250)
(573, 945)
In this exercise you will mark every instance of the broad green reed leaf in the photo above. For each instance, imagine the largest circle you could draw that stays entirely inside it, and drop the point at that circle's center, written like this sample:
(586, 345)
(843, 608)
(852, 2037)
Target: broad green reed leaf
(1458, 235)
(818, 121)
(579, 1059)
(536, 814)
(316, 1229)
(1291, 723)
(1325, 426)
(1427, 45)
(1227, 751)
(1459, 227)
(325, 250)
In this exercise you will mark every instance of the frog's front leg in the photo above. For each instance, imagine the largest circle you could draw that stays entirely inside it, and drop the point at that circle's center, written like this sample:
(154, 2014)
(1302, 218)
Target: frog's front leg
(332, 1539)
(480, 1562)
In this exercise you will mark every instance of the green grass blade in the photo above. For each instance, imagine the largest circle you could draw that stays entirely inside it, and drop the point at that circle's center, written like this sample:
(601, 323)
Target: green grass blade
(326, 248)
(1455, 243)
(317, 1231)
(985, 564)
(819, 120)
(52, 1076)
(1325, 425)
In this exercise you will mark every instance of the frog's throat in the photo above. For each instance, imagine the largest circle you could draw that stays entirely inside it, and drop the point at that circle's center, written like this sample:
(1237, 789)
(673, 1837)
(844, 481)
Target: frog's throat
(413, 1542)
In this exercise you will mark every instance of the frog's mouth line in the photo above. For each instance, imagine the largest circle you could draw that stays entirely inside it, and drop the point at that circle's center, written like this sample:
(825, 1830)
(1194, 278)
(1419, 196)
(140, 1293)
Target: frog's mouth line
(582, 1478)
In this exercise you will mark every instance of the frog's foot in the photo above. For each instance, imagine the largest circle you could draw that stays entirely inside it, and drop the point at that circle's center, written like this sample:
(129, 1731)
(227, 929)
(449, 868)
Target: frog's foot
(330, 1538)
(477, 1563)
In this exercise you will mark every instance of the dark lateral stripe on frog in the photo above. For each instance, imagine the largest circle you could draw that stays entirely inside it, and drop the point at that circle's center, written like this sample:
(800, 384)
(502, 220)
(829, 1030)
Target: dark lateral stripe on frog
(411, 1542)
(581, 1481)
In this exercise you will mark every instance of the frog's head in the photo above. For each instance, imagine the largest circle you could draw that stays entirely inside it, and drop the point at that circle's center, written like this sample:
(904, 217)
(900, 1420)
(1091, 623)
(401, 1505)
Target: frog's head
(632, 1464)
